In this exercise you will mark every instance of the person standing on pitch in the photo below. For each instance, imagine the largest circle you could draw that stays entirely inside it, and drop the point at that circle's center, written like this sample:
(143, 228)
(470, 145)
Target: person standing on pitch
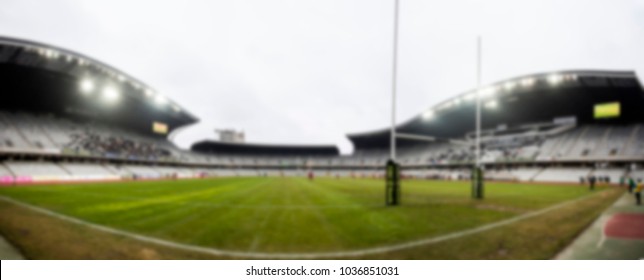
(638, 193)
(591, 181)
(631, 184)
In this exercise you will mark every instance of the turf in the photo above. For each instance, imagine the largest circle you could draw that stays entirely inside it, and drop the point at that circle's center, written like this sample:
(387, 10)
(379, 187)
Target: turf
(291, 214)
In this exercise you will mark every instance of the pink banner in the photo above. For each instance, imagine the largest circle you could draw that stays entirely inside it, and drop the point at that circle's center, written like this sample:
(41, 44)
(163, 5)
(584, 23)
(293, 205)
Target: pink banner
(6, 180)
(23, 179)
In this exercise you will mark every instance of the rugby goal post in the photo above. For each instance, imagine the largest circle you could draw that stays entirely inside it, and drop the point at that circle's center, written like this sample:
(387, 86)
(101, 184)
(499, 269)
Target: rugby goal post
(392, 191)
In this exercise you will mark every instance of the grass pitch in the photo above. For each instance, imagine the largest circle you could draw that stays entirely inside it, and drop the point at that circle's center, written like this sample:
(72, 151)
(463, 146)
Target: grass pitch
(295, 215)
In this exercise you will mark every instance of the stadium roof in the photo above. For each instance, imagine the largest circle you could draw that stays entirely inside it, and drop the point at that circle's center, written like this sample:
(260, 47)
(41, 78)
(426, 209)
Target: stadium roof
(223, 148)
(537, 98)
(47, 79)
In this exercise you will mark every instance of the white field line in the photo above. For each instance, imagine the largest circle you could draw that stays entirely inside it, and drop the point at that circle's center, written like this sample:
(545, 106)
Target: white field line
(602, 238)
(322, 255)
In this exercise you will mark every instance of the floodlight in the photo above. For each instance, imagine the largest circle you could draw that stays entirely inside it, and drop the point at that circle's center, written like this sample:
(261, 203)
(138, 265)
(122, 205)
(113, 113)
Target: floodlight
(554, 79)
(487, 91)
(428, 115)
(160, 100)
(509, 85)
(493, 104)
(86, 86)
(445, 105)
(176, 108)
(49, 53)
(527, 82)
(111, 94)
(149, 92)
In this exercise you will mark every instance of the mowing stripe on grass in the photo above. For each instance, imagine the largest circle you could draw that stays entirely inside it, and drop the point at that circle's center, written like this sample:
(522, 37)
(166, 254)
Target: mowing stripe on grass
(323, 255)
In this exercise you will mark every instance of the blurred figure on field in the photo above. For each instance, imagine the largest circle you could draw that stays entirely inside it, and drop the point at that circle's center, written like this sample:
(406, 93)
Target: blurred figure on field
(631, 184)
(591, 181)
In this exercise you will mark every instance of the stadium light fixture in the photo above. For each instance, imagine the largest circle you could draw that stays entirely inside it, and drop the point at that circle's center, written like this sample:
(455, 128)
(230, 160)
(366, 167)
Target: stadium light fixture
(149, 92)
(160, 100)
(470, 96)
(487, 91)
(445, 105)
(49, 53)
(527, 82)
(428, 115)
(493, 104)
(554, 79)
(509, 85)
(111, 94)
(86, 86)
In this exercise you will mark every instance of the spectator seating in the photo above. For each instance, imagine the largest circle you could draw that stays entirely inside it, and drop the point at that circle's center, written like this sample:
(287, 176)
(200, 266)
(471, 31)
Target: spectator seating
(35, 169)
(562, 174)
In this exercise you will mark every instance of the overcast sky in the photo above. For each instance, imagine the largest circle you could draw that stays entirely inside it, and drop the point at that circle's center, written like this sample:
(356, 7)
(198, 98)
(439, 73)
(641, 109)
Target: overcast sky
(310, 71)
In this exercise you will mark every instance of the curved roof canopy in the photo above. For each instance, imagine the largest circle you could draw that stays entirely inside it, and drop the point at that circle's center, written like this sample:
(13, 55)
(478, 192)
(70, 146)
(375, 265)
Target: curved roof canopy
(538, 98)
(45, 79)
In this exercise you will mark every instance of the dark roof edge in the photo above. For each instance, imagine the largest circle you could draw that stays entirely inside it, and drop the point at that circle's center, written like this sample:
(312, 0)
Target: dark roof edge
(606, 73)
(28, 43)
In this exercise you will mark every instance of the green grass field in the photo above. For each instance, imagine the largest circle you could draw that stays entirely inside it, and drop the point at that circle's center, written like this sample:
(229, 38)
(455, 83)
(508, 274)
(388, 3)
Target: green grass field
(292, 215)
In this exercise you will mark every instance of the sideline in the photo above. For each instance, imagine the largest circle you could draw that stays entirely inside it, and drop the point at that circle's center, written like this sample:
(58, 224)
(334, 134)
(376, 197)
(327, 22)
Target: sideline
(594, 244)
(8, 251)
(322, 255)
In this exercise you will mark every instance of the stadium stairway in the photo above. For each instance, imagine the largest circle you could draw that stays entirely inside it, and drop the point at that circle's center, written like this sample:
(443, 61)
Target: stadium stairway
(537, 174)
(632, 139)
(618, 234)
(62, 166)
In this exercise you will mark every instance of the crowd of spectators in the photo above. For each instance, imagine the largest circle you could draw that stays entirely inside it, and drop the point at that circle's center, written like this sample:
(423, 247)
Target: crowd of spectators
(116, 146)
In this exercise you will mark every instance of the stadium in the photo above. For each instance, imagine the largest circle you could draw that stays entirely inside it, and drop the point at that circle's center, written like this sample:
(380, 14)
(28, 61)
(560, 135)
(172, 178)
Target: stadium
(89, 170)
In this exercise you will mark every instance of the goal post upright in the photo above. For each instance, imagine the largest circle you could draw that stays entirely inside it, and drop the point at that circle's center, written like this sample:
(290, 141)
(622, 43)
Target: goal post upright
(477, 170)
(392, 186)
(392, 169)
